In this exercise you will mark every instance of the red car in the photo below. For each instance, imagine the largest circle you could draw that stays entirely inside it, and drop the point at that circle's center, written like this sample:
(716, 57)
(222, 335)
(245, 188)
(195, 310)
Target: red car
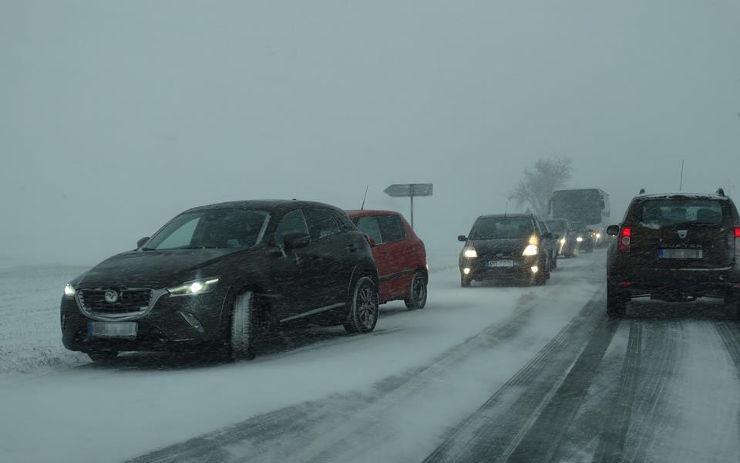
(399, 254)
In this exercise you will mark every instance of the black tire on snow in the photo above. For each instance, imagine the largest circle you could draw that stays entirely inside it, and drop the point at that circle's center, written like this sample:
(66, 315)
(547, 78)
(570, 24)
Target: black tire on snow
(465, 281)
(104, 356)
(242, 332)
(363, 307)
(417, 292)
(733, 303)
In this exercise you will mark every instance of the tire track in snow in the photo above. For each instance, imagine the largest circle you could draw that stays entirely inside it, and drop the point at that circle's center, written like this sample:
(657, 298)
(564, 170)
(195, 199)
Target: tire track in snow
(495, 432)
(729, 332)
(294, 429)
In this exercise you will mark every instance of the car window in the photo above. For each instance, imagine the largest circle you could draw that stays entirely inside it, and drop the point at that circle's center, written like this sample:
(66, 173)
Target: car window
(659, 213)
(292, 222)
(391, 228)
(491, 228)
(212, 228)
(322, 223)
(344, 221)
(181, 236)
(370, 227)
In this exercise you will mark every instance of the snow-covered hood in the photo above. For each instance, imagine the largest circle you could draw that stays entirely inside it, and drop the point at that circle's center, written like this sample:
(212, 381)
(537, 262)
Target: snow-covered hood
(152, 269)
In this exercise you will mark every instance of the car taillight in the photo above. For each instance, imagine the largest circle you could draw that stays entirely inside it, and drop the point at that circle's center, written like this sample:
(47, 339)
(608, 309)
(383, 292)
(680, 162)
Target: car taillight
(625, 239)
(737, 232)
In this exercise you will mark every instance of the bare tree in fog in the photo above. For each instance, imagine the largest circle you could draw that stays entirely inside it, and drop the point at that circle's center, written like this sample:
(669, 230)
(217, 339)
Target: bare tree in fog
(537, 184)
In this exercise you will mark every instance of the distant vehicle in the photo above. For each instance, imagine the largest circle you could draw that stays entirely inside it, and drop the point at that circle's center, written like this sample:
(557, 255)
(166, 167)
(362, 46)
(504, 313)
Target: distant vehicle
(220, 276)
(551, 244)
(399, 255)
(585, 237)
(505, 247)
(589, 206)
(675, 247)
(566, 236)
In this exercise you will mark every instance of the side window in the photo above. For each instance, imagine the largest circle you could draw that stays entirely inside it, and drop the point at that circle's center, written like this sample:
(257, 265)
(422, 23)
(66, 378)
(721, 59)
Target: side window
(391, 228)
(292, 222)
(370, 227)
(344, 221)
(183, 236)
(322, 223)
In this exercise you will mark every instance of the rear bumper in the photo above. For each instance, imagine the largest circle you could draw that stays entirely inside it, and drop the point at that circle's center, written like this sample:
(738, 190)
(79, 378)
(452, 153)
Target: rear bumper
(687, 282)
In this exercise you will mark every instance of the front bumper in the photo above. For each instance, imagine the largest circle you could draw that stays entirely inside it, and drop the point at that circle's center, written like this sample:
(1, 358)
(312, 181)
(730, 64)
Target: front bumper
(173, 323)
(480, 270)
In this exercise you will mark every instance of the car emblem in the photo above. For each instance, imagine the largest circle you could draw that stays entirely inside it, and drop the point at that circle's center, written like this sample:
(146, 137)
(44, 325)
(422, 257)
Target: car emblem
(111, 297)
(683, 233)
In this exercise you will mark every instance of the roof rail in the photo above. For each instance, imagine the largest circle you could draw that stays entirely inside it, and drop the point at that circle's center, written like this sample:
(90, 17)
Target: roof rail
(720, 191)
(642, 191)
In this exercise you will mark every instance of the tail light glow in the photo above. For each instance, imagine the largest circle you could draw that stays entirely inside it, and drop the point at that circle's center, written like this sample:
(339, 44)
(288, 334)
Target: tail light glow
(625, 239)
(737, 232)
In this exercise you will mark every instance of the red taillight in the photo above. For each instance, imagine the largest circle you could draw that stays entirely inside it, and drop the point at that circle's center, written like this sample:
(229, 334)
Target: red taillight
(625, 239)
(737, 232)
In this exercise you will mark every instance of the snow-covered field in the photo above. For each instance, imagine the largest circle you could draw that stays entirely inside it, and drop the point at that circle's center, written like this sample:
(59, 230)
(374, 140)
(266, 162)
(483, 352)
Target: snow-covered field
(488, 361)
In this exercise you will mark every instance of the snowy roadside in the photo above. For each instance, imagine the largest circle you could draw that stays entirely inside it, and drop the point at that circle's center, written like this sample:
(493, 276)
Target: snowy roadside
(29, 317)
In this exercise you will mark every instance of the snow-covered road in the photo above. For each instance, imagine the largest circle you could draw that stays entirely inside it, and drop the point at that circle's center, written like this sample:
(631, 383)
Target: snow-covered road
(481, 374)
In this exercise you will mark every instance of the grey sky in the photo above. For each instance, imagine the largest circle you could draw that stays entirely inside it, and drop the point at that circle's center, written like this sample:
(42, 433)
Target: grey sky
(117, 115)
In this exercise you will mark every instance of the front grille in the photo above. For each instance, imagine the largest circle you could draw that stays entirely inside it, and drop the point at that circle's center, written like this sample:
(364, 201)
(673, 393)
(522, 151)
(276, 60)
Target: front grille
(129, 300)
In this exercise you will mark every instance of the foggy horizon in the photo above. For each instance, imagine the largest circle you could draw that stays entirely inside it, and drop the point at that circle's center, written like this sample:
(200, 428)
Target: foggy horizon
(116, 117)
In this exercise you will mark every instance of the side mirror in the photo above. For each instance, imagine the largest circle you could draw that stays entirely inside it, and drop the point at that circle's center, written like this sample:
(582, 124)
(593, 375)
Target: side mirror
(371, 241)
(462, 238)
(612, 230)
(556, 236)
(141, 242)
(295, 240)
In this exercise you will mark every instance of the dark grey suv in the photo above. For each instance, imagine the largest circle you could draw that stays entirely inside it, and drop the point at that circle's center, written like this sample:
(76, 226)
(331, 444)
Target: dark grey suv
(219, 277)
(675, 247)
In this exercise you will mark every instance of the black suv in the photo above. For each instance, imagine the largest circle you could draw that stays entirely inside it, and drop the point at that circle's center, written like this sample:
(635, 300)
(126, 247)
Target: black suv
(219, 277)
(675, 247)
(505, 246)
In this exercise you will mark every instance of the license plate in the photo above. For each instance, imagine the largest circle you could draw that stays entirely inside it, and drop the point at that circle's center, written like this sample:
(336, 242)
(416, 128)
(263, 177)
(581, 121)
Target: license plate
(680, 253)
(112, 329)
(501, 263)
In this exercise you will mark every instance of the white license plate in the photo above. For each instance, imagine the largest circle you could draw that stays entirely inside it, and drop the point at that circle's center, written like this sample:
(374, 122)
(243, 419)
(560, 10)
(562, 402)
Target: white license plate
(112, 329)
(501, 263)
(680, 253)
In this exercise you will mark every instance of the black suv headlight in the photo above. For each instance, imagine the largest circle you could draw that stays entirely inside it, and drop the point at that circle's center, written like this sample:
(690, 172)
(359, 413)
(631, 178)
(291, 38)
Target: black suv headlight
(194, 288)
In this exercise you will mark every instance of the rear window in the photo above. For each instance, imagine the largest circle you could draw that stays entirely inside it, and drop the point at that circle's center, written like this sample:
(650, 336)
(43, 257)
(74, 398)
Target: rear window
(660, 213)
(489, 228)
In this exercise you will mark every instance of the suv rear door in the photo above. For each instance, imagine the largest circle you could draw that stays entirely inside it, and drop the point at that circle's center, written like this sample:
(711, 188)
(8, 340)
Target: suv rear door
(681, 232)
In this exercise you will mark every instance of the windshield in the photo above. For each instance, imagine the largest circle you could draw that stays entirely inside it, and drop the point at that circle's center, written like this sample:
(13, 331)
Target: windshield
(660, 213)
(491, 228)
(217, 228)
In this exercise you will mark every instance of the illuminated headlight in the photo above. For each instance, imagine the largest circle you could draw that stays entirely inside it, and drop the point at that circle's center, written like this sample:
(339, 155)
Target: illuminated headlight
(579, 239)
(466, 271)
(531, 250)
(194, 288)
(562, 241)
(470, 253)
(598, 236)
(534, 269)
(69, 290)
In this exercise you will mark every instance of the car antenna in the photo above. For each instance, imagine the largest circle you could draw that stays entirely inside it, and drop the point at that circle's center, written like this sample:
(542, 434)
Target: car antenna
(506, 210)
(362, 208)
(680, 185)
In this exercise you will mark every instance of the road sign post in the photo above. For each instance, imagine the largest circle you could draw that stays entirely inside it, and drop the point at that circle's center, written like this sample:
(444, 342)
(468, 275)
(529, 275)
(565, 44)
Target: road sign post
(410, 190)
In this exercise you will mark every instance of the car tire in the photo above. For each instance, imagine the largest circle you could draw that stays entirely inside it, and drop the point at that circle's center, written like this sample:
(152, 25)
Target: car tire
(616, 302)
(363, 307)
(242, 330)
(417, 292)
(465, 281)
(733, 303)
(105, 356)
